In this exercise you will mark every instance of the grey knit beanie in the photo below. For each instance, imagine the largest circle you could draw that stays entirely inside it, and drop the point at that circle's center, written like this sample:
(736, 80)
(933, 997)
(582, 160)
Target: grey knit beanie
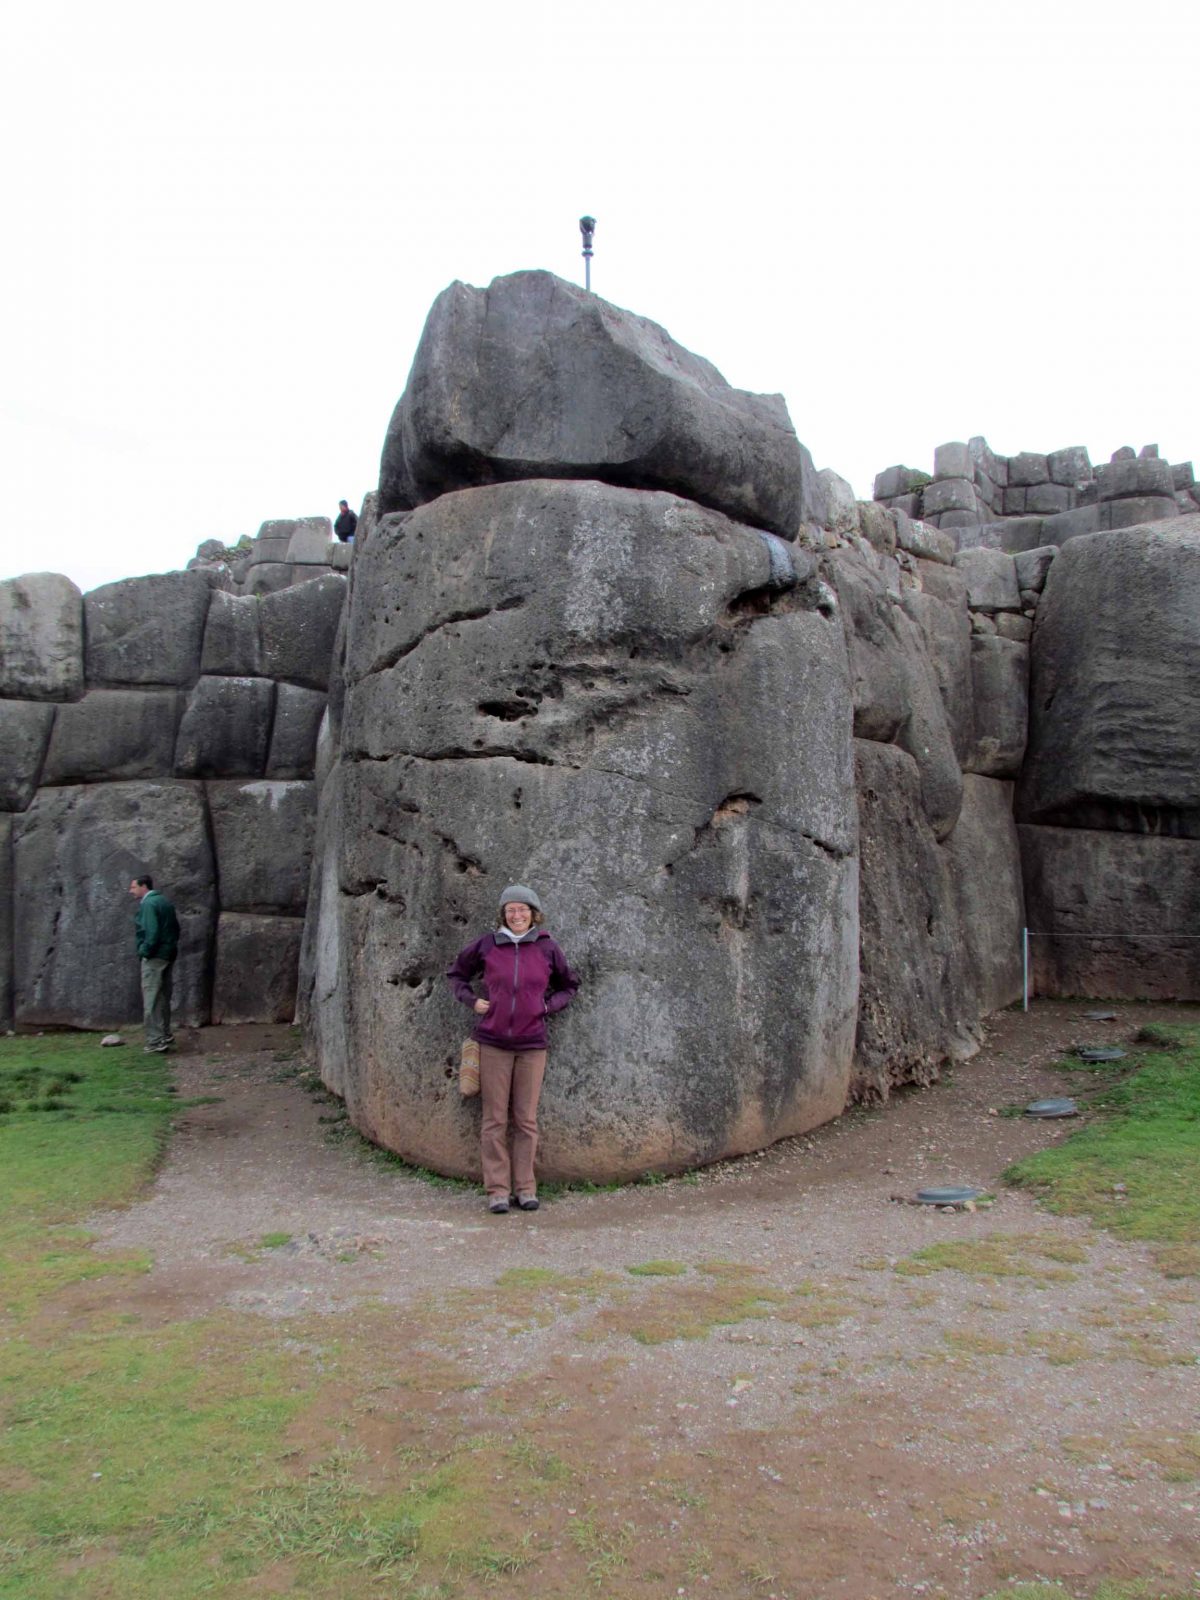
(518, 891)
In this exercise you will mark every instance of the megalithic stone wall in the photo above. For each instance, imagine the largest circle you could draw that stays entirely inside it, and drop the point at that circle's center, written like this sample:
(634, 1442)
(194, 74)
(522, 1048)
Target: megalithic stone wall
(161, 725)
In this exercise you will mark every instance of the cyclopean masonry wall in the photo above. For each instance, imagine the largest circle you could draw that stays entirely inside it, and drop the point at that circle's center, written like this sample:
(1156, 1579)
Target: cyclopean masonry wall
(1109, 798)
(165, 724)
(763, 784)
(756, 742)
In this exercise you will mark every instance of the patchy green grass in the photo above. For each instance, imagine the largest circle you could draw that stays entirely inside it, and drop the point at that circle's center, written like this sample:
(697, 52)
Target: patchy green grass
(1136, 1167)
(657, 1269)
(1000, 1255)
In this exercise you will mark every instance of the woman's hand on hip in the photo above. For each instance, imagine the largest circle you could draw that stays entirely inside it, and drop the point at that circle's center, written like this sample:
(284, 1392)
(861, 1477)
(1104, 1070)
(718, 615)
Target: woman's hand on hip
(483, 1005)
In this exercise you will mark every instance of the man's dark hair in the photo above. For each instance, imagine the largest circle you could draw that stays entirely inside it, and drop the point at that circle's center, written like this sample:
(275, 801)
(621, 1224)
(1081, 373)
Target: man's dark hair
(345, 503)
(145, 881)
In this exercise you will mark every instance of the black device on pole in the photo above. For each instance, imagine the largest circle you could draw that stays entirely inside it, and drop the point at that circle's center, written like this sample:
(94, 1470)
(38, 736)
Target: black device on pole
(587, 227)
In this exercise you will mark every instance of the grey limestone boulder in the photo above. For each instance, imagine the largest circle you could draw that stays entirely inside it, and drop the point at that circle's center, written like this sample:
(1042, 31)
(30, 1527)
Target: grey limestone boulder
(225, 729)
(1115, 695)
(1027, 468)
(298, 714)
(232, 637)
(999, 671)
(643, 708)
(115, 734)
(1048, 499)
(991, 579)
(24, 735)
(925, 542)
(894, 687)
(146, 630)
(953, 460)
(74, 852)
(950, 494)
(841, 508)
(984, 862)
(1128, 480)
(1070, 466)
(41, 638)
(256, 963)
(1009, 534)
(263, 835)
(946, 630)
(311, 542)
(1144, 508)
(534, 378)
(1033, 565)
(915, 1006)
(1112, 915)
(299, 628)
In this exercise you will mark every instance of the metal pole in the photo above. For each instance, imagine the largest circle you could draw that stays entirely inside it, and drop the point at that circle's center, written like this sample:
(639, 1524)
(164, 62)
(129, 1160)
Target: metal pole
(1025, 967)
(587, 227)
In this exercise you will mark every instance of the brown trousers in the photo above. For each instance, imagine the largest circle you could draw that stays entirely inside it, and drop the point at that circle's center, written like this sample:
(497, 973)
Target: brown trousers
(509, 1080)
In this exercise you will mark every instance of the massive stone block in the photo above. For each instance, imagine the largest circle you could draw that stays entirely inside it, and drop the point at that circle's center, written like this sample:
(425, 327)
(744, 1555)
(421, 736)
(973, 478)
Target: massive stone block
(255, 979)
(1115, 693)
(299, 628)
(916, 1000)
(1000, 678)
(75, 851)
(1112, 915)
(146, 630)
(114, 733)
(896, 694)
(298, 714)
(232, 637)
(644, 709)
(535, 378)
(946, 630)
(263, 835)
(225, 729)
(24, 735)
(984, 861)
(41, 638)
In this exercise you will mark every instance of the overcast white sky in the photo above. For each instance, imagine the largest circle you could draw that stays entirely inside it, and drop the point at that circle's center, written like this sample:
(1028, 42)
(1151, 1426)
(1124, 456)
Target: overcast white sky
(225, 225)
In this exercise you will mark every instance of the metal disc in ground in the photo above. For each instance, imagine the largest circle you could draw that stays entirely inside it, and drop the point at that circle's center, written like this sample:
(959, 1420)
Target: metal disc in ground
(954, 1195)
(1100, 1016)
(1060, 1106)
(1099, 1053)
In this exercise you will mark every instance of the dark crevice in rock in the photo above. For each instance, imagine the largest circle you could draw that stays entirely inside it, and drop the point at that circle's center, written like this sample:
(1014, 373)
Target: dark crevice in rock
(476, 614)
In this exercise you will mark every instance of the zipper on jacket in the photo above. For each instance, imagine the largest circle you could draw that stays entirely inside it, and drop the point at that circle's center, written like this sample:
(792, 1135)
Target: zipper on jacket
(512, 1010)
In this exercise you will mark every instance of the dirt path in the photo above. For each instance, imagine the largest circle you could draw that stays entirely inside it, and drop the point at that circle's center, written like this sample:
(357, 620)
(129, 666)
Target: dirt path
(815, 1415)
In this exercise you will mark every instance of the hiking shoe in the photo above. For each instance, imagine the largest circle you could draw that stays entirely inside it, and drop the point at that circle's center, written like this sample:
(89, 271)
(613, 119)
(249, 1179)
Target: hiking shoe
(498, 1207)
(527, 1202)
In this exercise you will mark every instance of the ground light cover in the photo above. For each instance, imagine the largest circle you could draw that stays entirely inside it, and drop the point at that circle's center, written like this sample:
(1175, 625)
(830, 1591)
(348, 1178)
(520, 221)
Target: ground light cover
(144, 1453)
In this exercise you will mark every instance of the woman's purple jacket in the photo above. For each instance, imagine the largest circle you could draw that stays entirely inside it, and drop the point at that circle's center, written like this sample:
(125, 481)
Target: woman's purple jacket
(525, 983)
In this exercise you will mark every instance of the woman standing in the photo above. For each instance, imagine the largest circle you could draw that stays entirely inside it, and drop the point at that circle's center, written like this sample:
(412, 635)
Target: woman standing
(525, 979)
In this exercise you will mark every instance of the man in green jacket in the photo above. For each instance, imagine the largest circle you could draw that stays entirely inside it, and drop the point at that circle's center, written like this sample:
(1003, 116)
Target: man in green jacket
(157, 929)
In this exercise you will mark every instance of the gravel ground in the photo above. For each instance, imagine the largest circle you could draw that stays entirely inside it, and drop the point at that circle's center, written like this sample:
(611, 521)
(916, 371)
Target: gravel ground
(865, 1428)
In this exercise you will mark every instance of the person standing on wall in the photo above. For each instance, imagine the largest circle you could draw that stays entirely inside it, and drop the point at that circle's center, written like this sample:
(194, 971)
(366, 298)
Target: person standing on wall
(526, 979)
(157, 930)
(346, 523)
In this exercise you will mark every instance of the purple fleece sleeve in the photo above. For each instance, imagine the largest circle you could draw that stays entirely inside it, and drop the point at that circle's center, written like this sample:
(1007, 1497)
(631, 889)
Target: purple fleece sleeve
(564, 983)
(467, 965)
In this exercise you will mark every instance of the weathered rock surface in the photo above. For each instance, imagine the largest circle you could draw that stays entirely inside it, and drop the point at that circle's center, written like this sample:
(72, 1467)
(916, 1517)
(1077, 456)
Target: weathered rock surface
(1000, 679)
(895, 692)
(1112, 915)
(232, 637)
(991, 579)
(914, 998)
(263, 836)
(146, 630)
(255, 978)
(75, 851)
(24, 735)
(1115, 692)
(41, 637)
(299, 627)
(644, 709)
(298, 714)
(946, 630)
(114, 733)
(535, 378)
(984, 861)
(224, 731)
